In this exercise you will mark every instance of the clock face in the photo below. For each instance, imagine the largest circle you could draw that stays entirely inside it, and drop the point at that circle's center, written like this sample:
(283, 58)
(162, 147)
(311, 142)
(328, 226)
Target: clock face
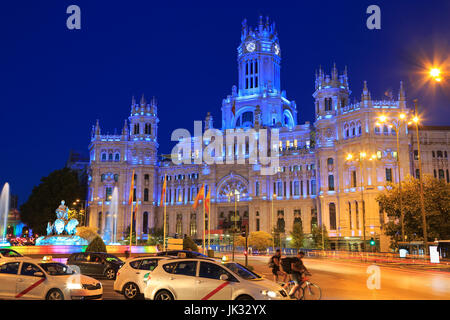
(276, 47)
(251, 46)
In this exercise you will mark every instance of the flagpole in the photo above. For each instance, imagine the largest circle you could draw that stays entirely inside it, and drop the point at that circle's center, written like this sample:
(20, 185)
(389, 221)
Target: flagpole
(131, 227)
(164, 234)
(204, 224)
(209, 224)
(136, 215)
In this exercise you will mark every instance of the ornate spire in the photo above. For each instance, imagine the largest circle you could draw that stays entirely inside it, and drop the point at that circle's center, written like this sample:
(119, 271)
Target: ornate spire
(365, 96)
(125, 128)
(208, 121)
(402, 96)
(143, 102)
(334, 72)
(97, 128)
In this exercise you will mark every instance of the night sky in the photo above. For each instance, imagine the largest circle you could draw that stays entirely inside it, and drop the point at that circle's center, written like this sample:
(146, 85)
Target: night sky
(55, 82)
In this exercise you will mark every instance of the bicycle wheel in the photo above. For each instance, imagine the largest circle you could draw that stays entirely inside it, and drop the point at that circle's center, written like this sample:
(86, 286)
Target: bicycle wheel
(312, 292)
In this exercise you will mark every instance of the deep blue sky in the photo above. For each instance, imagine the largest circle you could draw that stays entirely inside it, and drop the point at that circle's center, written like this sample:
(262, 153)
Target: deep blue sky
(55, 82)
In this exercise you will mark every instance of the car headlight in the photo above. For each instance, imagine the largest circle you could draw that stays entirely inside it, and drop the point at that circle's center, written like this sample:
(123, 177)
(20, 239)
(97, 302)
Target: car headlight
(74, 286)
(269, 293)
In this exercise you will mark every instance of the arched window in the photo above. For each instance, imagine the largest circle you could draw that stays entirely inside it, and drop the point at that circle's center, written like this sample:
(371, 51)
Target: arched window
(359, 129)
(117, 157)
(330, 161)
(103, 177)
(350, 215)
(332, 211)
(104, 156)
(331, 182)
(116, 177)
(110, 157)
(377, 130)
(146, 194)
(148, 128)
(179, 225)
(346, 131)
(136, 128)
(193, 225)
(145, 222)
(352, 129)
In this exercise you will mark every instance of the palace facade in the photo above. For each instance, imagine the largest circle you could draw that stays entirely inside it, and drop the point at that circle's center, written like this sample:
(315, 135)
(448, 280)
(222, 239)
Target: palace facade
(316, 181)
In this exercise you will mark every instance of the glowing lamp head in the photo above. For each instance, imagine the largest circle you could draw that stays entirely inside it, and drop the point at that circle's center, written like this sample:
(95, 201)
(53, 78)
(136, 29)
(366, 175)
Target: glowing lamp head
(362, 154)
(402, 116)
(349, 156)
(416, 119)
(435, 73)
(382, 118)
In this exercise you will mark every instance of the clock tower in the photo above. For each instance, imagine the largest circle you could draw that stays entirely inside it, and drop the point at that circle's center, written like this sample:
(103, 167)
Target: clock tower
(259, 58)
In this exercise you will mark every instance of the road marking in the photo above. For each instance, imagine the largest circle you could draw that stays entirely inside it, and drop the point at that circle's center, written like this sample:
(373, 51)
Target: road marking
(34, 285)
(209, 295)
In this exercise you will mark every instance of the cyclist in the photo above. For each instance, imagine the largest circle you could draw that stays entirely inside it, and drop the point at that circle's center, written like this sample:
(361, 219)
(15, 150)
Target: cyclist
(298, 268)
(275, 265)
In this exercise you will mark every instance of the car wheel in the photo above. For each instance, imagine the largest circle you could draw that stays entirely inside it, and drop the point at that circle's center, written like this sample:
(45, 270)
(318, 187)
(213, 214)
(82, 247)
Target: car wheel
(164, 295)
(110, 274)
(244, 297)
(54, 294)
(130, 291)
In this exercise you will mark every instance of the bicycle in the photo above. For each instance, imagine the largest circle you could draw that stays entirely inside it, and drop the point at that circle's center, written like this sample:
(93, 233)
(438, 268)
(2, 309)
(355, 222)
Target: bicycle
(307, 290)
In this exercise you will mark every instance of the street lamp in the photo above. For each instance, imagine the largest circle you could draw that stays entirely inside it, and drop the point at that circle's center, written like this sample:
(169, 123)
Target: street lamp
(236, 194)
(422, 204)
(435, 74)
(273, 223)
(396, 125)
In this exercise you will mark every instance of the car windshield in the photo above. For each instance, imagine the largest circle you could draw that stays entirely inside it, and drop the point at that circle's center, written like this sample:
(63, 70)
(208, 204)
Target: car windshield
(10, 253)
(242, 271)
(56, 269)
(112, 259)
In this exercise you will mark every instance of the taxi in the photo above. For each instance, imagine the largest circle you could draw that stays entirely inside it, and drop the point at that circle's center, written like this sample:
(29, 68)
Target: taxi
(10, 254)
(205, 279)
(35, 279)
(131, 277)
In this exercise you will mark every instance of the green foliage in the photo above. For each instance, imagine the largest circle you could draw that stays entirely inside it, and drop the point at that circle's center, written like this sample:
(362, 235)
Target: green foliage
(437, 209)
(260, 240)
(188, 243)
(155, 237)
(317, 233)
(88, 233)
(239, 241)
(297, 236)
(40, 207)
(96, 245)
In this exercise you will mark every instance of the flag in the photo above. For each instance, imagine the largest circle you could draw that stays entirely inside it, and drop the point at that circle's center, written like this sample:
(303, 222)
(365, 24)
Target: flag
(200, 195)
(208, 201)
(233, 108)
(163, 192)
(130, 199)
(137, 207)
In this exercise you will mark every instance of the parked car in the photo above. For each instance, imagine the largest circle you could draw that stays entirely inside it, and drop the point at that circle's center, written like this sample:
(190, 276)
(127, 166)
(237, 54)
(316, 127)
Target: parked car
(45, 280)
(97, 264)
(130, 280)
(202, 279)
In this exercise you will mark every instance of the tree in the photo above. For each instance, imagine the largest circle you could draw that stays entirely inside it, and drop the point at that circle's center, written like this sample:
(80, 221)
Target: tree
(297, 236)
(437, 209)
(88, 233)
(40, 207)
(96, 245)
(239, 241)
(317, 232)
(260, 240)
(155, 236)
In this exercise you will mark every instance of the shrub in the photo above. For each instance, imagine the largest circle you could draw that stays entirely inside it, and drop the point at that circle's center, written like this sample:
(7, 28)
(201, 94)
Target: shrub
(88, 233)
(96, 245)
(188, 243)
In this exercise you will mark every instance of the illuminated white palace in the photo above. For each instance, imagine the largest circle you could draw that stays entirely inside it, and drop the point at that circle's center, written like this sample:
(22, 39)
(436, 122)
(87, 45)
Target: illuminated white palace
(316, 181)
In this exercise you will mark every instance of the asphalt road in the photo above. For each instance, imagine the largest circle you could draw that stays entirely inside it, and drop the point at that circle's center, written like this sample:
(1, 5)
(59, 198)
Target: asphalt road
(341, 280)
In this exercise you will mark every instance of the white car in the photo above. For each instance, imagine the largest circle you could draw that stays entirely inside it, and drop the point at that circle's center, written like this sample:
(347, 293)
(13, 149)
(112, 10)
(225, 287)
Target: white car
(130, 279)
(204, 279)
(9, 254)
(45, 280)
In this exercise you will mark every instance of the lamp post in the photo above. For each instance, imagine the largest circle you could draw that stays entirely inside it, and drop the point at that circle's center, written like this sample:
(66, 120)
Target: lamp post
(422, 204)
(236, 195)
(396, 125)
(273, 224)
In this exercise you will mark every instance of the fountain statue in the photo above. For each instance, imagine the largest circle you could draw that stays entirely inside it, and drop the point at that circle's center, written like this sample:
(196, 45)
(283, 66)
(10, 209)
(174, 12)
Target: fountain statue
(61, 225)
(4, 211)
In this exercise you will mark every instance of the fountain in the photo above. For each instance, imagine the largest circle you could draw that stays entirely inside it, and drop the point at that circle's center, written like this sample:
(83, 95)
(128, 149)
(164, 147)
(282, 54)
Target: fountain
(62, 231)
(4, 211)
(110, 234)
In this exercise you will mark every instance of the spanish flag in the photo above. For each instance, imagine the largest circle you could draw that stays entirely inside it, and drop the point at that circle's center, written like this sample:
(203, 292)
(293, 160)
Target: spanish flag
(208, 201)
(163, 192)
(130, 199)
(200, 195)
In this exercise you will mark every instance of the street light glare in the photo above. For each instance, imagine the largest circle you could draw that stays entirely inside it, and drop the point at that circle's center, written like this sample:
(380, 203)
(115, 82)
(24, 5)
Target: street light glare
(402, 116)
(382, 118)
(362, 154)
(349, 156)
(435, 73)
(416, 119)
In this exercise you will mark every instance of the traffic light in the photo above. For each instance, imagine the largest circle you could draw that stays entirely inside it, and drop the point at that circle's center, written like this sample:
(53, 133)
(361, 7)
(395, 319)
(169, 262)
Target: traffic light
(372, 242)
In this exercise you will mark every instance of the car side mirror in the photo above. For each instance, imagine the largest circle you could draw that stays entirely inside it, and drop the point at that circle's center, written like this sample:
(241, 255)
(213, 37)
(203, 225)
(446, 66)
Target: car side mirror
(223, 277)
(39, 274)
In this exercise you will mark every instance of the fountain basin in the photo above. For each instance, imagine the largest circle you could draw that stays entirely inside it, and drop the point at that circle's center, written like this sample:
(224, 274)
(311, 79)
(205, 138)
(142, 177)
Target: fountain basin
(61, 240)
